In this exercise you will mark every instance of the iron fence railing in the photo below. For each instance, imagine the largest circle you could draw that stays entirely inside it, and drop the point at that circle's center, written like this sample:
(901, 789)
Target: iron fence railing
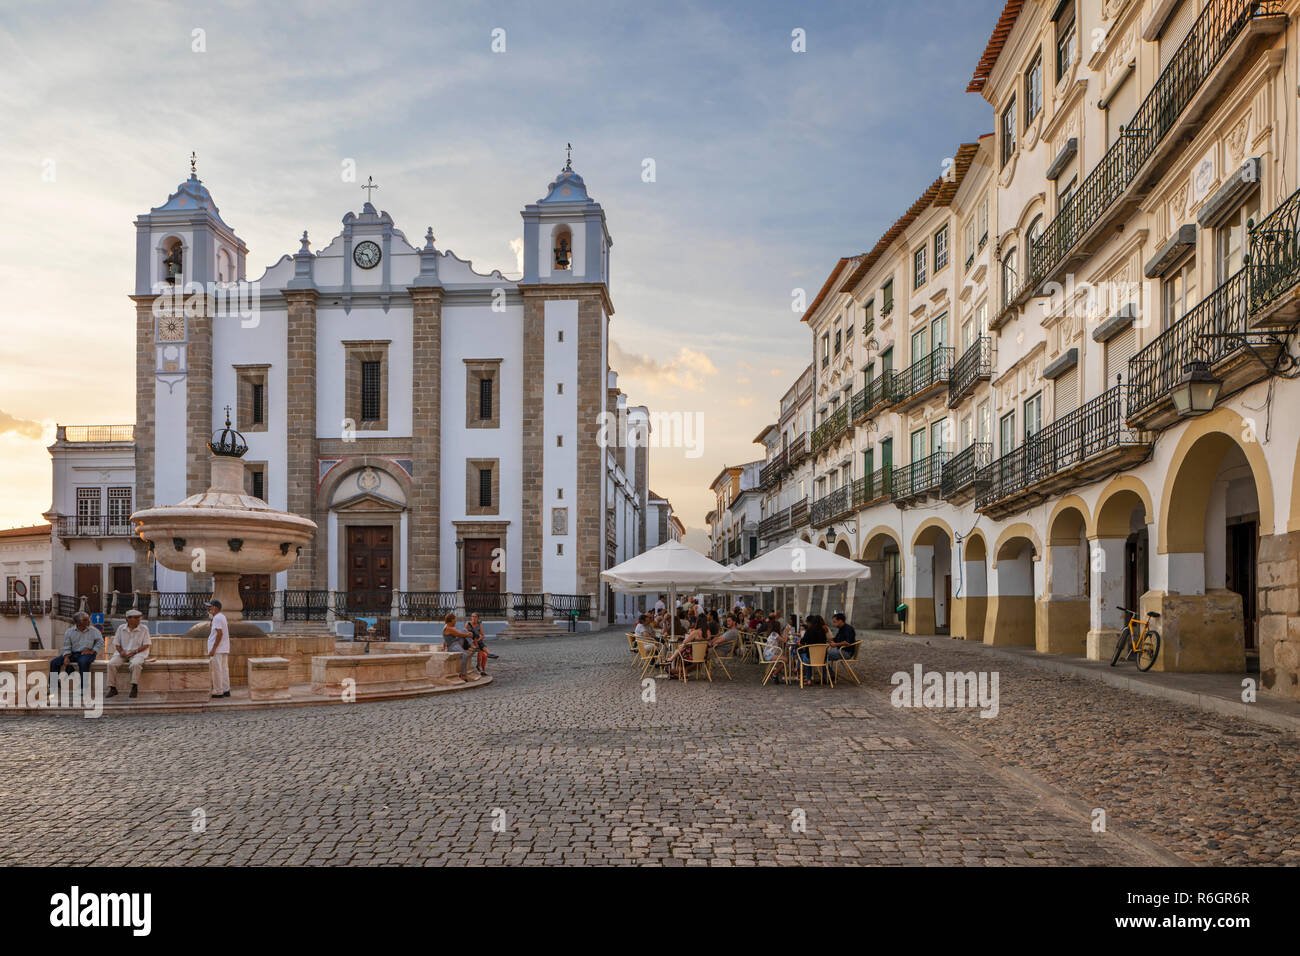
(919, 477)
(306, 604)
(64, 605)
(568, 604)
(962, 469)
(922, 374)
(1216, 28)
(21, 608)
(425, 605)
(363, 603)
(831, 506)
(975, 363)
(180, 605)
(258, 605)
(1094, 427)
(1155, 370)
(487, 602)
(1274, 262)
(528, 607)
(797, 450)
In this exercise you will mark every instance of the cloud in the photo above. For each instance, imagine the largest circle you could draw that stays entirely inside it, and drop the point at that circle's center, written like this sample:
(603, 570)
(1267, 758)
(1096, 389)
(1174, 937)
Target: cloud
(684, 371)
(20, 427)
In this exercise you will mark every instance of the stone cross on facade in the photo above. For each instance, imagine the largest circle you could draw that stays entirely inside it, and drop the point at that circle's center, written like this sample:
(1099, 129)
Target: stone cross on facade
(371, 185)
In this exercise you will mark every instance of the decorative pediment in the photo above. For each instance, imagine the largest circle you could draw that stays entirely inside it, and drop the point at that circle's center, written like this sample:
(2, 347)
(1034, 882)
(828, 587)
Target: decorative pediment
(368, 502)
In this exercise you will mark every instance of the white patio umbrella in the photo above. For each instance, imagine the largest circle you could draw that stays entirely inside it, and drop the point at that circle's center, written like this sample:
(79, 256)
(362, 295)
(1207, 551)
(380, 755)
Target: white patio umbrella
(666, 568)
(799, 564)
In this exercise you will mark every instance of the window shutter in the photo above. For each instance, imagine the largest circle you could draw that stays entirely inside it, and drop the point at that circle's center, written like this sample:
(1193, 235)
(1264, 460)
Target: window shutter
(1065, 393)
(1118, 351)
(1176, 29)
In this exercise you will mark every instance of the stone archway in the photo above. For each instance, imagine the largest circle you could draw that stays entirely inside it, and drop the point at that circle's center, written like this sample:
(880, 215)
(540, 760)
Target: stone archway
(1119, 559)
(970, 596)
(929, 597)
(1208, 607)
(1010, 618)
(874, 604)
(1061, 615)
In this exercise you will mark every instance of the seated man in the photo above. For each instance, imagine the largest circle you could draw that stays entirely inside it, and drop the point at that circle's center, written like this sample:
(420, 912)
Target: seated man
(726, 641)
(845, 635)
(81, 644)
(130, 647)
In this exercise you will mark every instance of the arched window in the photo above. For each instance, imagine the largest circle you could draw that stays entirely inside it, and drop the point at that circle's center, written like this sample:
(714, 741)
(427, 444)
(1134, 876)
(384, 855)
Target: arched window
(225, 267)
(563, 248)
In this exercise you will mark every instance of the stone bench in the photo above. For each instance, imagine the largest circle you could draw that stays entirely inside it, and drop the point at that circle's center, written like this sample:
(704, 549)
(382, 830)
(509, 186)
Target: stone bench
(175, 680)
(370, 674)
(268, 678)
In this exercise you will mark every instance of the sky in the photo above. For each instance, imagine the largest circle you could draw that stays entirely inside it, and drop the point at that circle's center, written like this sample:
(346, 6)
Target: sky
(733, 170)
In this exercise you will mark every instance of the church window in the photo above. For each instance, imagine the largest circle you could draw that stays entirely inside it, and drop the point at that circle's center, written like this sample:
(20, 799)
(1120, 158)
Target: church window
(563, 248)
(482, 486)
(482, 397)
(370, 391)
(251, 411)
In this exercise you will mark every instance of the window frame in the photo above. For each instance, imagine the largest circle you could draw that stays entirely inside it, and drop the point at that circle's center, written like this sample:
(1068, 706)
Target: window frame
(1008, 129)
(941, 256)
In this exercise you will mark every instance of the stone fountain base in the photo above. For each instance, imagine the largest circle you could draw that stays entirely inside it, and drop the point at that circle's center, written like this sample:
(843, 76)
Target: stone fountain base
(298, 649)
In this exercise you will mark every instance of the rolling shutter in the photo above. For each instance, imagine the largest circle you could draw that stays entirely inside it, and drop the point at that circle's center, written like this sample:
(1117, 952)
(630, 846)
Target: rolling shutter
(1176, 29)
(1065, 393)
(1118, 351)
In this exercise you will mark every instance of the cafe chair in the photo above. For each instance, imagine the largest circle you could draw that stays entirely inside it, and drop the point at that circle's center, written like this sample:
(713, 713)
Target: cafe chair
(697, 653)
(848, 662)
(816, 662)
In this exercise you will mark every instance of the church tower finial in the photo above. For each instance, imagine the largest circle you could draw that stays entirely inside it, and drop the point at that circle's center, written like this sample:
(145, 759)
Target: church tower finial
(194, 164)
(568, 157)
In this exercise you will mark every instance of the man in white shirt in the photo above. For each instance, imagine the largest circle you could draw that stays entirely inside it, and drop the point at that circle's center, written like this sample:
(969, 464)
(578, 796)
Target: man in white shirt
(130, 647)
(659, 605)
(219, 650)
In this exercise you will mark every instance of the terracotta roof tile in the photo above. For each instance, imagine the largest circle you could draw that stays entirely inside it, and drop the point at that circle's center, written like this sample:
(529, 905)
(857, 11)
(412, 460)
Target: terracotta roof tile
(997, 41)
(28, 532)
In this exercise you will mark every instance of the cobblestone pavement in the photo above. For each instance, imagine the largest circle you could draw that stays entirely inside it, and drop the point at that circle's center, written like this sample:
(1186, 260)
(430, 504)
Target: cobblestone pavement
(583, 770)
(1207, 787)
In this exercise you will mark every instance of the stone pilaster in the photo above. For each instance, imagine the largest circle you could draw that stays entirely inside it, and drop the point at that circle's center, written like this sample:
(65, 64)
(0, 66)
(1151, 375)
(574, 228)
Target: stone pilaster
(198, 411)
(425, 515)
(593, 369)
(145, 426)
(309, 571)
(1278, 609)
(533, 503)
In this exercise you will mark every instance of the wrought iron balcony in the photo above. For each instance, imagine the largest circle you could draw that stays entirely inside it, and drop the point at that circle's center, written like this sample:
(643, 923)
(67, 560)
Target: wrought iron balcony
(974, 366)
(835, 425)
(1214, 331)
(1085, 444)
(919, 479)
(920, 379)
(872, 397)
(774, 524)
(832, 506)
(1273, 267)
(98, 526)
(1082, 219)
(799, 514)
(798, 450)
(771, 472)
(961, 473)
(872, 488)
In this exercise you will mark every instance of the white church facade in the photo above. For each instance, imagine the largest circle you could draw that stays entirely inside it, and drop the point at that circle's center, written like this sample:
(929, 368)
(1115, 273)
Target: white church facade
(443, 427)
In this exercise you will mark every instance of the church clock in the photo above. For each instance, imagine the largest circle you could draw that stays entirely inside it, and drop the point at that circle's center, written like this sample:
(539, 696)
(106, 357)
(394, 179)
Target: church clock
(367, 255)
(171, 328)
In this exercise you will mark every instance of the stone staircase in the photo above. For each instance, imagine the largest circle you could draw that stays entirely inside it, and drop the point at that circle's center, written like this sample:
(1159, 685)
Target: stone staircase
(525, 629)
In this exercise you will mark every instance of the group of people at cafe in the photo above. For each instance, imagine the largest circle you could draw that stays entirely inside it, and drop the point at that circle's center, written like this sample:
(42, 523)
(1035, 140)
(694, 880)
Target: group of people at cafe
(782, 643)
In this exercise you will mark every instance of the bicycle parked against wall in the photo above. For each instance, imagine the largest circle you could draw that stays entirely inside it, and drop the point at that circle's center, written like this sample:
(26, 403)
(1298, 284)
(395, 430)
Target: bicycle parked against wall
(1137, 638)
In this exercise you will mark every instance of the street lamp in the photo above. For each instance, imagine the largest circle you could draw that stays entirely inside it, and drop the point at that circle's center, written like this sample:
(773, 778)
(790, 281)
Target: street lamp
(1197, 391)
(459, 545)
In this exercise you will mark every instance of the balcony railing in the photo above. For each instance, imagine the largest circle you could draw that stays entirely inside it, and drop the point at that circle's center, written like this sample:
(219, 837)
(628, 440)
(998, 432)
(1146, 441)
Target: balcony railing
(921, 375)
(975, 364)
(1216, 28)
(798, 450)
(97, 526)
(829, 430)
(799, 514)
(872, 397)
(774, 524)
(21, 608)
(1274, 263)
(874, 487)
(1156, 369)
(771, 472)
(920, 477)
(1053, 458)
(961, 471)
(831, 506)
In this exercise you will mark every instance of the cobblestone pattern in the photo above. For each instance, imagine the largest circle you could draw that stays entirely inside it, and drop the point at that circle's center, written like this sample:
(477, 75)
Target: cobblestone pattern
(1210, 788)
(583, 770)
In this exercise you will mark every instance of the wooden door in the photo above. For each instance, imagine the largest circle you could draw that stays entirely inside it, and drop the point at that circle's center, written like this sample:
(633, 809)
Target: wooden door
(122, 579)
(255, 593)
(370, 567)
(89, 579)
(480, 579)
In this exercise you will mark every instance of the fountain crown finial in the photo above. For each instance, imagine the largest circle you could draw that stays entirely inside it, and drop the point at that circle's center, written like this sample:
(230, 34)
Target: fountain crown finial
(226, 442)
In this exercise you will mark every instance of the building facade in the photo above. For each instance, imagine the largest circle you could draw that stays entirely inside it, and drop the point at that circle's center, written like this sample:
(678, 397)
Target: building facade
(25, 565)
(449, 431)
(1066, 385)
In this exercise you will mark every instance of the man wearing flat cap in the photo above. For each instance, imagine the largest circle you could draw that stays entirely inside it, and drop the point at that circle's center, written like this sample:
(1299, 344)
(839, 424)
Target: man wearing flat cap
(130, 647)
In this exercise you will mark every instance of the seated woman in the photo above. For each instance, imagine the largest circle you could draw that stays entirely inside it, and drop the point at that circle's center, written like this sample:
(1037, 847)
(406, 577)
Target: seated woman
(457, 641)
(815, 632)
(677, 660)
(774, 650)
